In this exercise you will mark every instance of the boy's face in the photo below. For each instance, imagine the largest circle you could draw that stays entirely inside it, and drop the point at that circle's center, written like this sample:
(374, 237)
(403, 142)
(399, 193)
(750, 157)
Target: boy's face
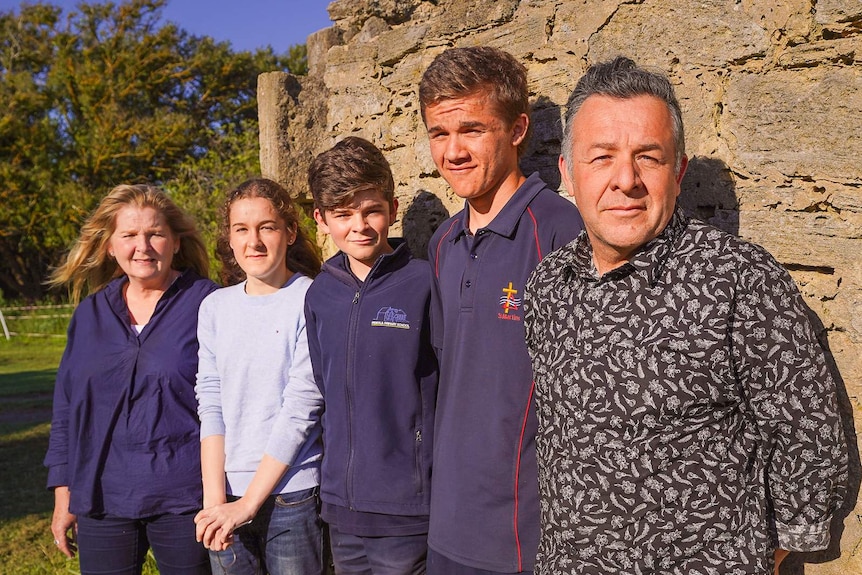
(473, 146)
(360, 229)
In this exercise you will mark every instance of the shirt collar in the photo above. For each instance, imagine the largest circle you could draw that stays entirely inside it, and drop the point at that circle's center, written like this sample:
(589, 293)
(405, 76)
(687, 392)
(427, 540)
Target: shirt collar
(113, 292)
(649, 260)
(339, 264)
(506, 222)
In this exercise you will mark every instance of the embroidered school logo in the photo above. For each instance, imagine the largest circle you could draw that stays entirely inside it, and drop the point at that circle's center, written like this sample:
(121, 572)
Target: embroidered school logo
(391, 317)
(510, 304)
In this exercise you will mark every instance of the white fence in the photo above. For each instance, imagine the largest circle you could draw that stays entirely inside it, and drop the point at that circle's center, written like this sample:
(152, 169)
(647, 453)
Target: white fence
(31, 312)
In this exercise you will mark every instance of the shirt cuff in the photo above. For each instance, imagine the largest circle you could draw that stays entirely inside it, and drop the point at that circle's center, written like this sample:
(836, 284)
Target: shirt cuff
(57, 476)
(211, 427)
(803, 538)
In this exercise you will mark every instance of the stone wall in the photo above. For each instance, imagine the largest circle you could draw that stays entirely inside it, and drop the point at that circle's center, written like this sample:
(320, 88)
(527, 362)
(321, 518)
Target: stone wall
(772, 100)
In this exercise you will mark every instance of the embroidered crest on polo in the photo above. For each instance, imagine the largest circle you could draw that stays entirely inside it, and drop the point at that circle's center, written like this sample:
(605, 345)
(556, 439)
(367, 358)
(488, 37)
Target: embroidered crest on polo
(391, 317)
(510, 304)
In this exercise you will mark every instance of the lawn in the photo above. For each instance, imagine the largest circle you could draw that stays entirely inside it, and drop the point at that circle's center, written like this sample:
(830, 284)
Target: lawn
(27, 371)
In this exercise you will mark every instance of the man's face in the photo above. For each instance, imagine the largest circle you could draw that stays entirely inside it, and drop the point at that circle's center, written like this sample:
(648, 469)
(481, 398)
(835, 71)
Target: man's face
(623, 177)
(475, 150)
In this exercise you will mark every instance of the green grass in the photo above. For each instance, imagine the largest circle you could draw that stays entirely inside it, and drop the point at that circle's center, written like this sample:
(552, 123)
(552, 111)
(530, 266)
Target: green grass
(27, 371)
(48, 320)
(29, 366)
(28, 354)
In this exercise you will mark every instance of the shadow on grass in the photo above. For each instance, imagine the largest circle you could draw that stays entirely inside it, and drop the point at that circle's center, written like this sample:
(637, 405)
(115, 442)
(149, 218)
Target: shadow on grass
(35, 381)
(22, 488)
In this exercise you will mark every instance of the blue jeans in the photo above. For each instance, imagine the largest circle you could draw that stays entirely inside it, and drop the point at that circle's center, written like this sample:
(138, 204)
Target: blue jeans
(284, 538)
(118, 546)
(390, 555)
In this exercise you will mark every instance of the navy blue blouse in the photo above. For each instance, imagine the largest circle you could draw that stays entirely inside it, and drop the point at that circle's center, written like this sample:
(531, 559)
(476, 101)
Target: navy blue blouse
(125, 432)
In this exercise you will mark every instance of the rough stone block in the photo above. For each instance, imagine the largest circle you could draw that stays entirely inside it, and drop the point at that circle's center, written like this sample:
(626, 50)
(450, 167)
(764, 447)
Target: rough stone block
(778, 120)
(349, 65)
(394, 45)
(277, 94)
(317, 45)
(713, 34)
(829, 13)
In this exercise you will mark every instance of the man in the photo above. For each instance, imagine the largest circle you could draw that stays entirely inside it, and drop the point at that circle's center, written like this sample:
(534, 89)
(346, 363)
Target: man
(484, 491)
(687, 417)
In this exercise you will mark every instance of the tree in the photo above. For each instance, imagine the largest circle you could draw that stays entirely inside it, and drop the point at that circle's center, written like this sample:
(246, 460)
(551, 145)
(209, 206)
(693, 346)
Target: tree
(108, 95)
(200, 183)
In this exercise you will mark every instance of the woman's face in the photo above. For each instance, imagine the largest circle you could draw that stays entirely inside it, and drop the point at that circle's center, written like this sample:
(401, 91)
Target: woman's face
(260, 239)
(143, 245)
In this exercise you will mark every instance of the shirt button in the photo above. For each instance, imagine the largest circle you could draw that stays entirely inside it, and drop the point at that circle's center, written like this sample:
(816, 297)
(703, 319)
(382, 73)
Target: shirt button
(474, 256)
(468, 283)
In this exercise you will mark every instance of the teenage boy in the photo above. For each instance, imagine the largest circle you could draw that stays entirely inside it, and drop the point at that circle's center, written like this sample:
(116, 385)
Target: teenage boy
(484, 495)
(369, 338)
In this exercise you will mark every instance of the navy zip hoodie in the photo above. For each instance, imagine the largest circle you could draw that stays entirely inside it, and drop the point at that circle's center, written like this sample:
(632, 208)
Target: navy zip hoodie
(373, 361)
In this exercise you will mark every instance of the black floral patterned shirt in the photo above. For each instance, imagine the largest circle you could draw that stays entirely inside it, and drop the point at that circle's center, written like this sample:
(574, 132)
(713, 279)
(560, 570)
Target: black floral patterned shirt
(688, 422)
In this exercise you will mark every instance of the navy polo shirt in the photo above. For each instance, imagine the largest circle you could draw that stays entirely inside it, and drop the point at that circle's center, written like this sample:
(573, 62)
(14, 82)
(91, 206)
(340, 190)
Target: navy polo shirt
(484, 492)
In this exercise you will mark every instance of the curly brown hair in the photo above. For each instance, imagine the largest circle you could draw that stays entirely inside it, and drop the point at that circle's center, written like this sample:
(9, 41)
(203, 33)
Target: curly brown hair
(302, 256)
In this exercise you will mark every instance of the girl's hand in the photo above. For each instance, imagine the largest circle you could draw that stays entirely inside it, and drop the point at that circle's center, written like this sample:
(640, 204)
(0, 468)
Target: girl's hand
(215, 525)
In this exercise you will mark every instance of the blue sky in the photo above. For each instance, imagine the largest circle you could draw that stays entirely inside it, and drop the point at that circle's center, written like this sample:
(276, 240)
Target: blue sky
(246, 24)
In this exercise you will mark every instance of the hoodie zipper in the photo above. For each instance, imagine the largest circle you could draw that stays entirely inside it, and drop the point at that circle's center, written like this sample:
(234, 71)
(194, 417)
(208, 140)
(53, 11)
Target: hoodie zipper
(353, 333)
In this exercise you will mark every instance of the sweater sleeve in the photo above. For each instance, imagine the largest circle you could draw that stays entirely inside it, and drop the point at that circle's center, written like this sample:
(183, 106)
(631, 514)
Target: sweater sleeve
(302, 403)
(208, 381)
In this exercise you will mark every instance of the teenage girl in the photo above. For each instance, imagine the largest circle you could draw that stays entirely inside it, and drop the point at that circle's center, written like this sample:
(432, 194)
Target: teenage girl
(258, 403)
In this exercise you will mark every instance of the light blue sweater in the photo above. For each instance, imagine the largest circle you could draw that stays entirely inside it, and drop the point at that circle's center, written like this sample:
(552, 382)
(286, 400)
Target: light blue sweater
(255, 385)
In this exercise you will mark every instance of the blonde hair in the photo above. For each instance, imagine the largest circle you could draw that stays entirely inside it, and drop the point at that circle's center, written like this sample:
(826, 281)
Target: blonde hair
(87, 267)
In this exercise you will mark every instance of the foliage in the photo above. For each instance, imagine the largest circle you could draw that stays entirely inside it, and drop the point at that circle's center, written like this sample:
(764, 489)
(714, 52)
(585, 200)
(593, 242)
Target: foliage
(107, 94)
(201, 184)
(297, 60)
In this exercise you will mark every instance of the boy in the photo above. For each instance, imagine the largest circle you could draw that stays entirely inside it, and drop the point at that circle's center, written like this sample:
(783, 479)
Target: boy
(485, 501)
(368, 334)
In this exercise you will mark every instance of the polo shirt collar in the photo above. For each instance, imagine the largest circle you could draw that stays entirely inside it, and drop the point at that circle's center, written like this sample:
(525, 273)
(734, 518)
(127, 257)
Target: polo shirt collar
(650, 260)
(506, 222)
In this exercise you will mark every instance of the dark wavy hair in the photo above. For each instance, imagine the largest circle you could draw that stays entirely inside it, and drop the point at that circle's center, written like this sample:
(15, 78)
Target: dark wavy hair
(302, 255)
(350, 166)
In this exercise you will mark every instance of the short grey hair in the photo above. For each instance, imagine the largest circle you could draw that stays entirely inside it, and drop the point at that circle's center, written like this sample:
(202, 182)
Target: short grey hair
(621, 78)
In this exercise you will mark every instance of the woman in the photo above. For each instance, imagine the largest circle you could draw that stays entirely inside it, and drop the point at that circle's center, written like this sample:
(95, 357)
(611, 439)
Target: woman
(124, 456)
(258, 403)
